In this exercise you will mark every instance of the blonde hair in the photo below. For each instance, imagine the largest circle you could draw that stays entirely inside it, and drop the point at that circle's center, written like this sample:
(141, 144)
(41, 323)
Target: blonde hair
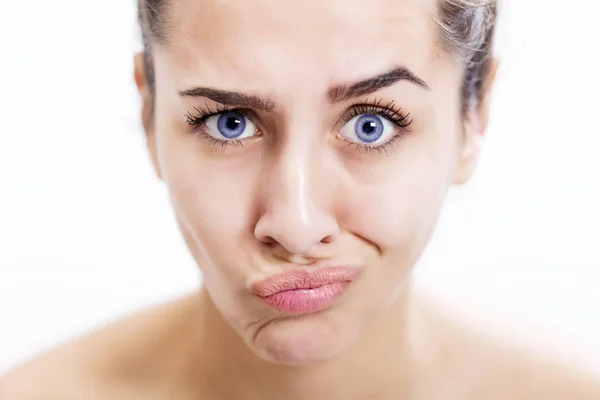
(466, 31)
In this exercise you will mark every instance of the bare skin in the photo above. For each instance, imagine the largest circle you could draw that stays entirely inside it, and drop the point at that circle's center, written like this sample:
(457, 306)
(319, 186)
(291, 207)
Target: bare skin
(299, 186)
(167, 353)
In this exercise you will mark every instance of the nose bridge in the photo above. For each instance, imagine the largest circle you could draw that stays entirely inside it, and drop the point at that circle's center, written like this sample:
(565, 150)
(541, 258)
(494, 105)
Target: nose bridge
(296, 213)
(292, 193)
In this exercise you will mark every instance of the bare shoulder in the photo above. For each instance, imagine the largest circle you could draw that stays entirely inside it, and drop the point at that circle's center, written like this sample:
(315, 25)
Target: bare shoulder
(495, 363)
(561, 379)
(101, 364)
(525, 371)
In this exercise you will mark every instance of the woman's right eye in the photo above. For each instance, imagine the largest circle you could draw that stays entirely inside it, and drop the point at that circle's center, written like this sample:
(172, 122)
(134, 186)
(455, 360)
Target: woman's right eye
(230, 126)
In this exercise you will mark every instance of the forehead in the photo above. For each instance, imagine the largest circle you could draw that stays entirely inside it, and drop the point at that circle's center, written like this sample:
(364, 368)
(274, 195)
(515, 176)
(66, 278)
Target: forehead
(242, 43)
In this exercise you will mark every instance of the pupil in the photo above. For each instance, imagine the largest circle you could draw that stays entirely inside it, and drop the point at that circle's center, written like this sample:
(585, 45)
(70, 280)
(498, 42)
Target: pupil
(369, 127)
(232, 123)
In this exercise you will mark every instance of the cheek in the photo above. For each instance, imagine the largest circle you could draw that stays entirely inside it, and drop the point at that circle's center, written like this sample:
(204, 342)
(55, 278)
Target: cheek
(399, 210)
(212, 199)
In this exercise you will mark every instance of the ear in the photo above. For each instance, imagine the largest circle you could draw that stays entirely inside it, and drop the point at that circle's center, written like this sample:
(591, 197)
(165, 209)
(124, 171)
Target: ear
(147, 108)
(474, 130)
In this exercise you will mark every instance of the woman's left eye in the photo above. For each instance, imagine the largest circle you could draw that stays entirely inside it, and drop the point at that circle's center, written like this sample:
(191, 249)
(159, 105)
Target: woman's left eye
(369, 130)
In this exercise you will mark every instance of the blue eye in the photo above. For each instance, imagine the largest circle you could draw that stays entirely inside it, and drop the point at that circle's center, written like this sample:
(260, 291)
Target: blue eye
(230, 125)
(368, 129)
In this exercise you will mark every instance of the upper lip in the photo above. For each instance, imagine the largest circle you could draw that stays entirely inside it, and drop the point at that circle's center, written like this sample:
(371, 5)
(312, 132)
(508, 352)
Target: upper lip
(303, 278)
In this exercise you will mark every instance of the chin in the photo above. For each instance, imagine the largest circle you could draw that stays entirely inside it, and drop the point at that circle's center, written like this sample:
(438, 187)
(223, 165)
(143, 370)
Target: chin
(303, 341)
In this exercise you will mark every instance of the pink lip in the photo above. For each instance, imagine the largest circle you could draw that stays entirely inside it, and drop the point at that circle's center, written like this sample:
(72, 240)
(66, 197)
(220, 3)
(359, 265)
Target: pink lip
(303, 291)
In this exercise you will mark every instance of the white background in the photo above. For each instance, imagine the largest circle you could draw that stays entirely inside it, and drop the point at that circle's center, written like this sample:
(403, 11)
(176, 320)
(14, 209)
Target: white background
(86, 231)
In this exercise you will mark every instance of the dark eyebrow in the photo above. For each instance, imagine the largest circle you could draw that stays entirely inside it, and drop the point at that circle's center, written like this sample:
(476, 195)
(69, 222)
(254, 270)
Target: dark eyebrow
(370, 85)
(233, 99)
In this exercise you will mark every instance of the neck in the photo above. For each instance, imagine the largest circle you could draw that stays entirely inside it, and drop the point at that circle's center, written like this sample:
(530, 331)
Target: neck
(380, 365)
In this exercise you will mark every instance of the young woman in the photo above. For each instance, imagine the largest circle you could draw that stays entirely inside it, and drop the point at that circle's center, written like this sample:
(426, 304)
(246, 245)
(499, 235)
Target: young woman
(308, 147)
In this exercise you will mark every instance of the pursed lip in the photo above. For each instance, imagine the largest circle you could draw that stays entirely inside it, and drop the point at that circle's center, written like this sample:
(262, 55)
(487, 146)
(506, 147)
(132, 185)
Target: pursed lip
(304, 291)
(304, 279)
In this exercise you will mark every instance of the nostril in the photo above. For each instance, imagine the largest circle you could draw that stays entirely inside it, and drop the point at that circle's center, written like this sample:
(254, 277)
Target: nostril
(269, 241)
(327, 239)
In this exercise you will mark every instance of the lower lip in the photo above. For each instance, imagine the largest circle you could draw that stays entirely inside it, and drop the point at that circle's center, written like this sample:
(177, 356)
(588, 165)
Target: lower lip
(305, 301)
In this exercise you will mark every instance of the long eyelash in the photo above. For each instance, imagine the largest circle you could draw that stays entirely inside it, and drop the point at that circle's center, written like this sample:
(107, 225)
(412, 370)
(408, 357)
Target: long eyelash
(388, 110)
(198, 117)
(200, 114)
(380, 149)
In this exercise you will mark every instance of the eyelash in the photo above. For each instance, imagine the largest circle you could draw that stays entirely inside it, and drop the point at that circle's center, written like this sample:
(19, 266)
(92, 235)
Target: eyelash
(200, 115)
(390, 111)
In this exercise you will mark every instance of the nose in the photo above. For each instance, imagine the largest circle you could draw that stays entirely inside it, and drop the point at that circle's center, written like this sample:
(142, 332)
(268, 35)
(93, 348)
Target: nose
(297, 200)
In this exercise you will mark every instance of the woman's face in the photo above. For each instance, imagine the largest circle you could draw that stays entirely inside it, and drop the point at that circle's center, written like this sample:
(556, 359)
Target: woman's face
(344, 136)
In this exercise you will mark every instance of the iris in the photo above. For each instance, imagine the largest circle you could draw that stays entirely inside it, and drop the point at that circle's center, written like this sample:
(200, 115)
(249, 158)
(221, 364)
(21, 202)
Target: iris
(231, 124)
(369, 128)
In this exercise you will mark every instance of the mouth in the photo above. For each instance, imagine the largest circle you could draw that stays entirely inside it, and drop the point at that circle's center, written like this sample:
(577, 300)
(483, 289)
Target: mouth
(304, 291)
